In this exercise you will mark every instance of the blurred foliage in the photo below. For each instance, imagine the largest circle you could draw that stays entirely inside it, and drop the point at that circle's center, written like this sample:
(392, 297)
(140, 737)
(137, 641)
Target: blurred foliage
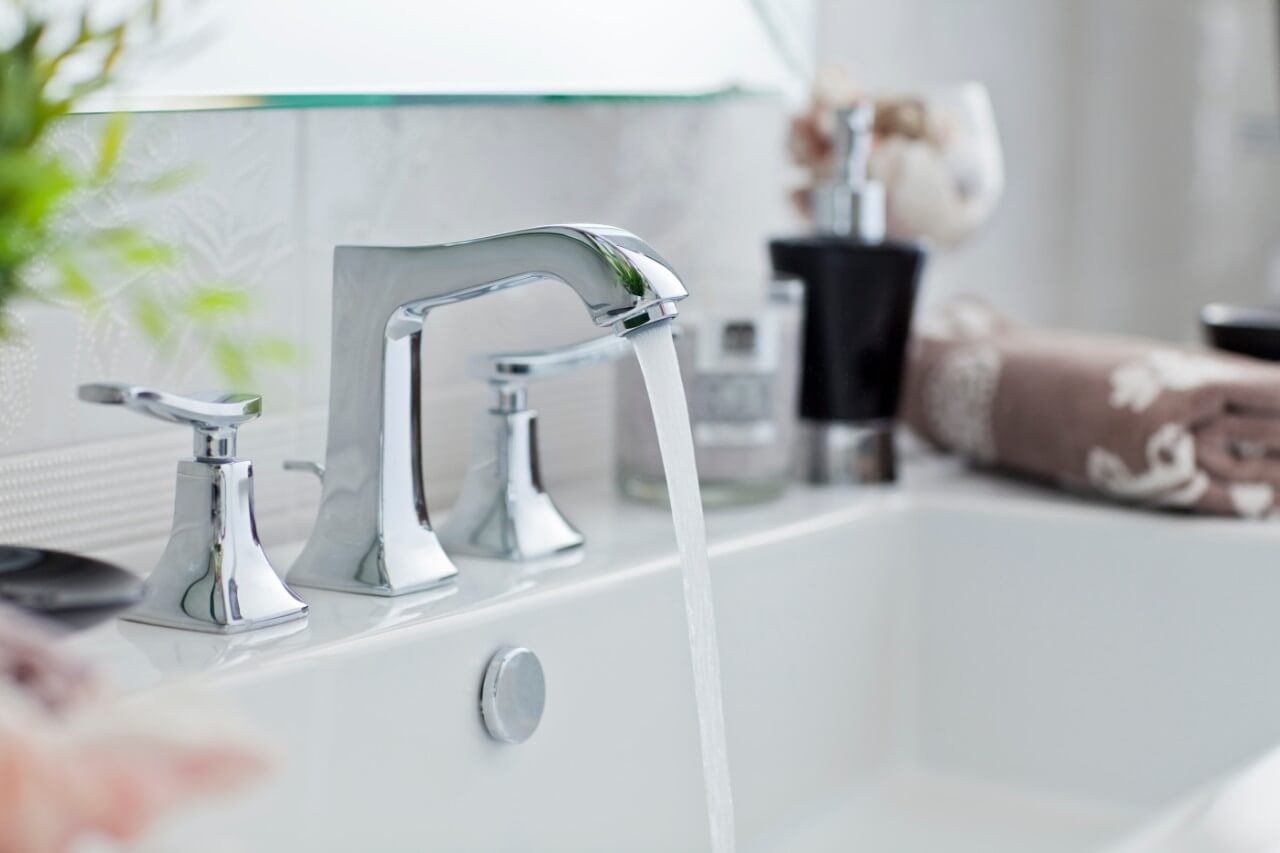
(49, 62)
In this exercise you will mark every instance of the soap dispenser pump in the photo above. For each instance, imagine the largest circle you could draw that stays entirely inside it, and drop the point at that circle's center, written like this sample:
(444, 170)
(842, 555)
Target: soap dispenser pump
(860, 290)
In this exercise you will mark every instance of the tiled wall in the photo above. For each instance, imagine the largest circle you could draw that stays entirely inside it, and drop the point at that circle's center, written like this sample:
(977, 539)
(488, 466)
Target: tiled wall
(275, 190)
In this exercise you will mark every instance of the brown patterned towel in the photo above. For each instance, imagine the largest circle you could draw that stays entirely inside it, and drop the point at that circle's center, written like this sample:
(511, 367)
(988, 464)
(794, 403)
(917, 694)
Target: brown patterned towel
(1135, 420)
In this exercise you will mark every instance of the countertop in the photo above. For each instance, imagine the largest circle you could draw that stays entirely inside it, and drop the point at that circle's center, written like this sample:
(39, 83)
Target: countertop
(623, 538)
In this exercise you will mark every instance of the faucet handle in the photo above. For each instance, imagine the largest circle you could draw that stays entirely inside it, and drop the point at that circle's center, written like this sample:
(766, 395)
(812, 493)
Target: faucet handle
(522, 367)
(214, 415)
(213, 575)
(306, 466)
(503, 512)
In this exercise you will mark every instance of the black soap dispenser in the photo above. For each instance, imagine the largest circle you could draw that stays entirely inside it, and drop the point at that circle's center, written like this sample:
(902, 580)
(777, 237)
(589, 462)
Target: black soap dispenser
(859, 293)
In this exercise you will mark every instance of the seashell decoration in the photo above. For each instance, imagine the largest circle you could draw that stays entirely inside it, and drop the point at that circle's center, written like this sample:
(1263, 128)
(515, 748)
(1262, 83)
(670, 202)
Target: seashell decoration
(937, 153)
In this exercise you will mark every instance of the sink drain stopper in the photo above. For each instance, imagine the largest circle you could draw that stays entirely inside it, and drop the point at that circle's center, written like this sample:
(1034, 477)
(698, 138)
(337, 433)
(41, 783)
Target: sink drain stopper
(513, 695)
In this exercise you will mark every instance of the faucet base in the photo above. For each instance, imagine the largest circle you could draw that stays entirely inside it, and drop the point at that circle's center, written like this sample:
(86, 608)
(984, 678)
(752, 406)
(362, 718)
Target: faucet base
(164, 616)
(838, 453)
(358, 588)
(383, 568)
(214, 575)
(503, 513)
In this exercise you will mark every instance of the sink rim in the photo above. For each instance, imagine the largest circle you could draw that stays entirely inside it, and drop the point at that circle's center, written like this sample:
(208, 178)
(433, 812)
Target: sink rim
(624, 540)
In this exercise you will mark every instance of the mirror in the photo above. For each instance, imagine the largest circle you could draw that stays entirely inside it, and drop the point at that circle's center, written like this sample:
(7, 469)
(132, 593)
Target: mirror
(286, 53)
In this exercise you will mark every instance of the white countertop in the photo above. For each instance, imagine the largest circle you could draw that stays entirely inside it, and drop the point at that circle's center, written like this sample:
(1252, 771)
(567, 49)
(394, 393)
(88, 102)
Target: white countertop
(623, 538)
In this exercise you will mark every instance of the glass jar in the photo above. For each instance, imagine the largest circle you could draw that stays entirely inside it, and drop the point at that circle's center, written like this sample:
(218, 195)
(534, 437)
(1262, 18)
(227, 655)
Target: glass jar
(740, 376)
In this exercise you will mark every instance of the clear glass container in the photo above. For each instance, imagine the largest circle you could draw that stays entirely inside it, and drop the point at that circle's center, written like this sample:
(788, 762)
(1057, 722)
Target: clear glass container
(740, 376)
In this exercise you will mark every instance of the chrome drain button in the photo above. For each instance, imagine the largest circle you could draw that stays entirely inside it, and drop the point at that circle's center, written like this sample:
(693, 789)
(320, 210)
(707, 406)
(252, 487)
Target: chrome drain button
(513, 695)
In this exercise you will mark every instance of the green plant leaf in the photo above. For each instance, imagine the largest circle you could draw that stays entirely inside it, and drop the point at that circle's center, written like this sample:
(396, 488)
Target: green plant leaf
(231, 361)
(73, 283)
(151, 319)
(169, 180)
(216, 301)
(56, 56)
(109, 146)
(132, 248)
(272, 349)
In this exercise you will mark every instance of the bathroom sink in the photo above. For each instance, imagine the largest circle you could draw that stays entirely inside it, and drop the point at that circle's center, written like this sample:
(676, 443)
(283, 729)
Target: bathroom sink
(1005, 672)
(957, 664)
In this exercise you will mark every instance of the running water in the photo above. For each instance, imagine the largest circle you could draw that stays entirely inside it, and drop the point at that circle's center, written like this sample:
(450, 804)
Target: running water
(657, 357)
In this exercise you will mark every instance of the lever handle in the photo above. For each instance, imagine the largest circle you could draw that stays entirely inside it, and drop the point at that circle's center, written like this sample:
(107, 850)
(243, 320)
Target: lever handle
(524, 367)
(214, 415)
(306, 466)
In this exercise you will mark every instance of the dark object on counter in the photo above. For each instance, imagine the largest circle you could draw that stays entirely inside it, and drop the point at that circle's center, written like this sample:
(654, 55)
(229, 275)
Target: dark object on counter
(860, 292)
(72, 590)
(1247, 331)
(859, 300)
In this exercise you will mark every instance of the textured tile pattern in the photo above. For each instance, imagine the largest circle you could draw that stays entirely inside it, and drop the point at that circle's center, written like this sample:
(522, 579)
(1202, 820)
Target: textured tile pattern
(275, 191)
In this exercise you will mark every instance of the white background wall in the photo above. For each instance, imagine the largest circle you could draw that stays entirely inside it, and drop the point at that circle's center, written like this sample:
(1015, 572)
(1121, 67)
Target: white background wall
(1017, 49)
(1132, 195)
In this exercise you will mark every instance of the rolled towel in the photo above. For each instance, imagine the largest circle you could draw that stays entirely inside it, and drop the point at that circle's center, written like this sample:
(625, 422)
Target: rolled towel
(1136, 420)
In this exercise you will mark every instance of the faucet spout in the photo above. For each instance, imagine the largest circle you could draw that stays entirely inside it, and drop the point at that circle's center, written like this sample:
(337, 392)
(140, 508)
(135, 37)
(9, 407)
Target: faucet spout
(373, 534)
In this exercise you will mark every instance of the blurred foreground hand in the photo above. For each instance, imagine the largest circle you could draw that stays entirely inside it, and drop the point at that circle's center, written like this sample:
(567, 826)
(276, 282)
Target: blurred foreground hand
(76, 765)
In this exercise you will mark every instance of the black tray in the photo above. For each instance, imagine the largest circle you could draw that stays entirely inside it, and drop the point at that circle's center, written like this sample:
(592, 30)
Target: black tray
(70, 589)
(1243, 330)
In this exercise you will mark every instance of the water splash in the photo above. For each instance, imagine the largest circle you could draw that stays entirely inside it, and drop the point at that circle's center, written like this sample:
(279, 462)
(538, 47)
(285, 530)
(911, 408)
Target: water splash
(657, 356)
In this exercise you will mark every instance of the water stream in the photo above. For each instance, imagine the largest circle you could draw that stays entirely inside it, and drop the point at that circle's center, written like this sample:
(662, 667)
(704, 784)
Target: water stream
(657, 356)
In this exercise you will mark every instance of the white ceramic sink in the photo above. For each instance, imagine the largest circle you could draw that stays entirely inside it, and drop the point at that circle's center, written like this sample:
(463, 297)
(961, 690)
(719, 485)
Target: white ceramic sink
(954, 665)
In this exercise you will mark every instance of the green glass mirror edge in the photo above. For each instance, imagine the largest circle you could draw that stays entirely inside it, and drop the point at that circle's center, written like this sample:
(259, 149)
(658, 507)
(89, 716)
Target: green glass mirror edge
(405, 56)
(205, 103)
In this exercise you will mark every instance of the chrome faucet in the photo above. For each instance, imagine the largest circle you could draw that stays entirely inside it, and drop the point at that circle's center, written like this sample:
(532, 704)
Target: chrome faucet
(373, 534)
